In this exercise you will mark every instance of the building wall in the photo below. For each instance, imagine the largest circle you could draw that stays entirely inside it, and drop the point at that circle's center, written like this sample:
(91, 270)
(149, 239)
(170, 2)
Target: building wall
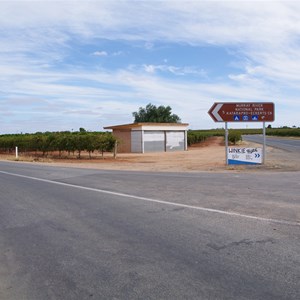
(124, 137)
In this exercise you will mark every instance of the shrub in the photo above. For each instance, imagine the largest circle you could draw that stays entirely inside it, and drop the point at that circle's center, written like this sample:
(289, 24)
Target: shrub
(194, 137)
(234, 136)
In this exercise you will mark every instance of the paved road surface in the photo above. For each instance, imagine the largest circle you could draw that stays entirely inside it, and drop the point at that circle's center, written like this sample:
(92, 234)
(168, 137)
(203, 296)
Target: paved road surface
(287, 144)
(87, 234)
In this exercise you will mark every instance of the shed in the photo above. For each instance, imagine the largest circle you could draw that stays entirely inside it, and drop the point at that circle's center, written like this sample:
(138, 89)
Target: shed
(150, 137)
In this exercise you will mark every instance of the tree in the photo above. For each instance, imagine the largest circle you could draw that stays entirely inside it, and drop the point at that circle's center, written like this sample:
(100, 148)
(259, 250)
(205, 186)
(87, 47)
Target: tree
(160, 114)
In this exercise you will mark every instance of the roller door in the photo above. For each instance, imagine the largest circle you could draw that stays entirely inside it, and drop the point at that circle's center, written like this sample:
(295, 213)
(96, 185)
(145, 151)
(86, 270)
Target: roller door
(154, 141)
(136, 142)
(175, 141)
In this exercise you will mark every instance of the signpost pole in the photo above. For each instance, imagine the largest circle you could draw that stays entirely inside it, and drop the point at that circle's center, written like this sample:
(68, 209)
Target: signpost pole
(264, 144)
(226, 143)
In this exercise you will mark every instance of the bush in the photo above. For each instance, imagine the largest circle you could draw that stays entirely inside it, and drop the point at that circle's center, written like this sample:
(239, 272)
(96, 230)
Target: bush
(194, 137)
(234, 136)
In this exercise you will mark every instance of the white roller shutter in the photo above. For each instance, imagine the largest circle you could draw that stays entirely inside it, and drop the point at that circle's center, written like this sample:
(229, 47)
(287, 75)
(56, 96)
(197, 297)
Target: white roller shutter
(136, 142)
(154, 141)
(175, 141)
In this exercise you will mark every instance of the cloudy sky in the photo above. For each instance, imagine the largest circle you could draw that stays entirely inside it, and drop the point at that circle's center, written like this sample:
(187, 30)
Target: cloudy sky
(71, 64)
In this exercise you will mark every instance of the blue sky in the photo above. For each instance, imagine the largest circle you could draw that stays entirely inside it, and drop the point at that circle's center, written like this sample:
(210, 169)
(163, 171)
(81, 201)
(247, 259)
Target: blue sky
(71, 64)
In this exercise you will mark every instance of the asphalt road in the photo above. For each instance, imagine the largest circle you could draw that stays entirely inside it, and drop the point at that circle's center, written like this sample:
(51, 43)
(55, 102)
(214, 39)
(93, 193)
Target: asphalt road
(287, 144)
(88, 234)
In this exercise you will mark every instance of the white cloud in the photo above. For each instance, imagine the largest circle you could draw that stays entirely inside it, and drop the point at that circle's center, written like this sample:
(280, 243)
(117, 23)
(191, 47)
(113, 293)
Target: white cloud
(100, 53)
(189, 100)
(174, 70)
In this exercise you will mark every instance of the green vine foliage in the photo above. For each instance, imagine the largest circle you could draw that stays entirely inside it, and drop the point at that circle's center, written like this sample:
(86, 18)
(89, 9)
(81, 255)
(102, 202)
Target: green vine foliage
(49, 142)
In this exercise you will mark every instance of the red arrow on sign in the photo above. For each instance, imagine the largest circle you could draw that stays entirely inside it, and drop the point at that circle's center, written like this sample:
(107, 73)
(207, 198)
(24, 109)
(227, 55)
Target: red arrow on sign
(242, 112)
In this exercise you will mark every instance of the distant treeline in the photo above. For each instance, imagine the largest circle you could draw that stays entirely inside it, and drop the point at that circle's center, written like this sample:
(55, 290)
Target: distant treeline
(50, 142)
(196, 136)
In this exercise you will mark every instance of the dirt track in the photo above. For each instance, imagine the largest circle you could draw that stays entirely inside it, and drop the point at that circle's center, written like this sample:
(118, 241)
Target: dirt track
(208, 156)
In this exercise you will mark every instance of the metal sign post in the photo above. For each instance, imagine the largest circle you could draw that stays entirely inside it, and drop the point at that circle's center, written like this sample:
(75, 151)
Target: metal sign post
(226, 143)
(264, 142)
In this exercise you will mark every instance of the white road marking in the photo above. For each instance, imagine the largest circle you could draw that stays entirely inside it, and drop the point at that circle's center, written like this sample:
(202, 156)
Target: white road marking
(205, 209)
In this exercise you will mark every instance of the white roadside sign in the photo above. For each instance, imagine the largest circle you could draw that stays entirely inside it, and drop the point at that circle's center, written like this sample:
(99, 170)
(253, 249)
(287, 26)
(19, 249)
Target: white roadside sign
(244, 156)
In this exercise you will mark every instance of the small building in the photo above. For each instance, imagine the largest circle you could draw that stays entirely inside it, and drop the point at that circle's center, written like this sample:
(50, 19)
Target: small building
(150, 137)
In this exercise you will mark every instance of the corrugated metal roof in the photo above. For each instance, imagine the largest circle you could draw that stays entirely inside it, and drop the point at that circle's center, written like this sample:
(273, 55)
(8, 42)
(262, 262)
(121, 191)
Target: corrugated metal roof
(133, 125)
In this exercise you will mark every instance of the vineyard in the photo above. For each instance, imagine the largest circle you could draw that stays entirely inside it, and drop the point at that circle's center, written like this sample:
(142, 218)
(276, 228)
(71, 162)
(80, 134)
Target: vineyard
(196, 136)
(63, 143)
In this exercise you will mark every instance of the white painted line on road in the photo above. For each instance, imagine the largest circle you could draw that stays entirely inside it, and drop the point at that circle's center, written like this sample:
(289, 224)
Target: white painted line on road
(223, 212)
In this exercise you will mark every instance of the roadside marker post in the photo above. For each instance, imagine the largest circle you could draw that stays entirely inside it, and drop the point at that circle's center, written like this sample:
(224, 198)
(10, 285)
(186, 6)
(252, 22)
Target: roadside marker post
(243, 112)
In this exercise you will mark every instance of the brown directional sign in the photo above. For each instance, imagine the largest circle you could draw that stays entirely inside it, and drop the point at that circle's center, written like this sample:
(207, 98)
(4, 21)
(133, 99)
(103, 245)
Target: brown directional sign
(242, 112)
